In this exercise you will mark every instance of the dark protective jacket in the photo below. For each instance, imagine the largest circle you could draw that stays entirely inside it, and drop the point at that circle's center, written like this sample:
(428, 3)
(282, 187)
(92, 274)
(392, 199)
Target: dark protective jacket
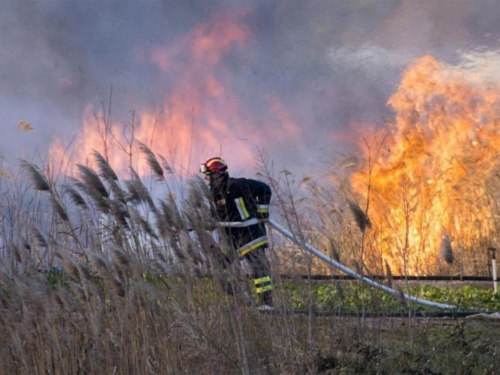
(240, 206)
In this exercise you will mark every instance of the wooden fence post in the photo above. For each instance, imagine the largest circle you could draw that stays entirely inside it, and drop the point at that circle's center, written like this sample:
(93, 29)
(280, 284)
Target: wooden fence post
(494, 268)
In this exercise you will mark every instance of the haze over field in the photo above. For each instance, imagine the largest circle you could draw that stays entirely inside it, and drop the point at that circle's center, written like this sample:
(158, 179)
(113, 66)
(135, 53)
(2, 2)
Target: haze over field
(300, 80)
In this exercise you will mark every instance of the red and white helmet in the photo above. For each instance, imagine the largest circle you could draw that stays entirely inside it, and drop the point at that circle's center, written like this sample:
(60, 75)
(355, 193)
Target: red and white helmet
(213, 165)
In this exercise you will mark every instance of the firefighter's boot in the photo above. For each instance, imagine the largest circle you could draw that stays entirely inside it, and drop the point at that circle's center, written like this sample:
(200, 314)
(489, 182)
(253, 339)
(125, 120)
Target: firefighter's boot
(263, 288)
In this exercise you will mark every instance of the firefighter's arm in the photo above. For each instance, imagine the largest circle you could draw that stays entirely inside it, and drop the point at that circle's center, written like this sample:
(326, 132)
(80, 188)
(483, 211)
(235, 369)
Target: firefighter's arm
(261, 193)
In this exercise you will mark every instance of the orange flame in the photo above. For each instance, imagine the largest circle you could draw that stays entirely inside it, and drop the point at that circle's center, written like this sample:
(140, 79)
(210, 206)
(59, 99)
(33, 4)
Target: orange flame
(431, 175)
(95, 134)
(202, 115)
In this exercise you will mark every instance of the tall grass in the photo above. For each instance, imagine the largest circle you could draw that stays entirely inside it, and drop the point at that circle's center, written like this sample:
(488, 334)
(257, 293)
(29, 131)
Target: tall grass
(101, 276)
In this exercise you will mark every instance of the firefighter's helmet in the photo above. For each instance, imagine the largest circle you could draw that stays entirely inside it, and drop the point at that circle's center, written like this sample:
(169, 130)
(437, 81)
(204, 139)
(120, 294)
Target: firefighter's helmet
(213, 165)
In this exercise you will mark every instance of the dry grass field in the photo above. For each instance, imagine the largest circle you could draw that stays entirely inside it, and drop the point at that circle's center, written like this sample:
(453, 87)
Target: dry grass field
(104, 276)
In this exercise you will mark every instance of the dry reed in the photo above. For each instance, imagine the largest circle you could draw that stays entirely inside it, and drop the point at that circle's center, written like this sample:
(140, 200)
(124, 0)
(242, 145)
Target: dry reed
(143, 291)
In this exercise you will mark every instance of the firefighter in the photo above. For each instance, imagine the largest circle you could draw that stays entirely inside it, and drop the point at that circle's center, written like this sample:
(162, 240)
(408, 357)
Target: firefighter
(241, 207)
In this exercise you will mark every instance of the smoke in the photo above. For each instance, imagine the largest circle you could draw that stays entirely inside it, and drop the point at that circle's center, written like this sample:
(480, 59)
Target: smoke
(308, 71)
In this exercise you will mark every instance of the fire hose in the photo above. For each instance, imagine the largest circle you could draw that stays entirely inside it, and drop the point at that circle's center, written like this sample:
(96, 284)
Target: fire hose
(352, 273)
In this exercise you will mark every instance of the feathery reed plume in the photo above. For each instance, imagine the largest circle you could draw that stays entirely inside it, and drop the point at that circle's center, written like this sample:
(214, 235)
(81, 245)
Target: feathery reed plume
(59, 208)
(17, 253)
(101, 266)
(60, 301)
(213, 254)
(25, 126)
(75, 197)
(165, 165)
(360, 216)
(334, 250)
(40, 240)
(189, 249)
(166, 213)
(26, 245)
(446, 251)
(133, 195)
(199, 220)
(204, 188)
(163, 224)
(105, 169)
(92, 181)
(100, 201)
(99, 261)
(78, 291)
(118, 287)
(139, 192)
(388, 274)
(175, 245)
(174, 213)
(124, 263)
(161, 257)
(4, 301)
(119, 211)
(136, 216)
(152, 161)
(70, 266)
(198, 193)
(84, 269)
(121, 256)
(195, 199)
(75, 270)
(9, 294)
(37, 178)
(117, 191)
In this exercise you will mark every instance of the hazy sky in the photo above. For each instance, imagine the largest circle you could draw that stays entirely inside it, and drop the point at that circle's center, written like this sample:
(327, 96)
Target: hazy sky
(298, 79)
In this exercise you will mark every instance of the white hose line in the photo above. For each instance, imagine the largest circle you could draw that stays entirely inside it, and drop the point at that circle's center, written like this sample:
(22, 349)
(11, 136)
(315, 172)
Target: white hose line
(350, 272)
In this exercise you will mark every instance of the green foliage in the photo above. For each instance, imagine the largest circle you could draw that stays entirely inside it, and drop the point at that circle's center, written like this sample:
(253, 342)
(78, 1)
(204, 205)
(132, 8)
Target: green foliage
(56, 277)
(466, 297)
(357, 297)
(352, 297)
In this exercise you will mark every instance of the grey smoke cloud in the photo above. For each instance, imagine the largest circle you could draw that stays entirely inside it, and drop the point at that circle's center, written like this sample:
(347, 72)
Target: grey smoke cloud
(331, 63)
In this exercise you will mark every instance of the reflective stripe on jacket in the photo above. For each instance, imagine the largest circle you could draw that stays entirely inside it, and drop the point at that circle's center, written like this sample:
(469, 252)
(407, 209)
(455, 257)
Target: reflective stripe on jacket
(238, 209)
